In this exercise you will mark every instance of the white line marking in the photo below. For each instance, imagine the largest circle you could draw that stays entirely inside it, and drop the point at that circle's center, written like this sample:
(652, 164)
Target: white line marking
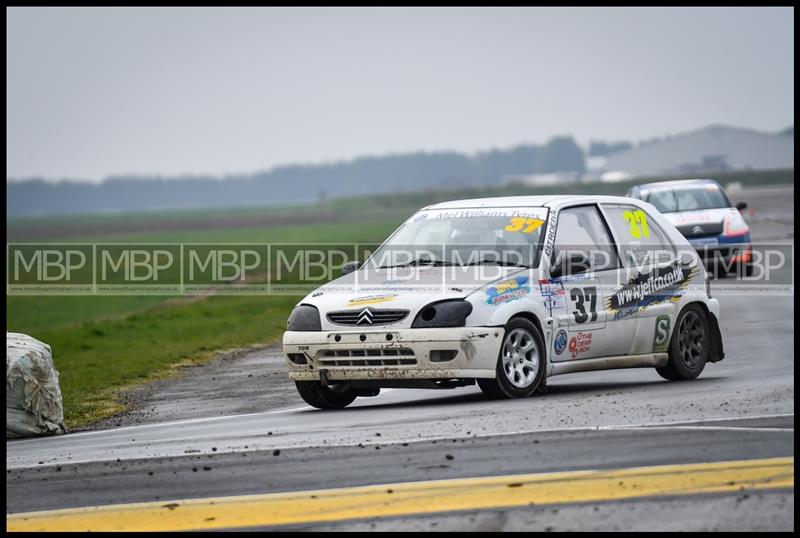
(701, 420)
(699, 428)
(156, 424)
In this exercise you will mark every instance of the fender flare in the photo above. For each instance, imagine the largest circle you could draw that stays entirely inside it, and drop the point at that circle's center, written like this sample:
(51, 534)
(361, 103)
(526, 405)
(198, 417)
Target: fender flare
(716, 353)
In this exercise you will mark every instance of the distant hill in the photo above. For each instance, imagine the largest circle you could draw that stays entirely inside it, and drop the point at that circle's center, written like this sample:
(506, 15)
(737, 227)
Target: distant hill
(712, 149)
(716, 148)
(296, 183)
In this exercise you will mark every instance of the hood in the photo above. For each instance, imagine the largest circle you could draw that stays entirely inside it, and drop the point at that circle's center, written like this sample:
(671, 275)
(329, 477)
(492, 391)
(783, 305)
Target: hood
(405, 288)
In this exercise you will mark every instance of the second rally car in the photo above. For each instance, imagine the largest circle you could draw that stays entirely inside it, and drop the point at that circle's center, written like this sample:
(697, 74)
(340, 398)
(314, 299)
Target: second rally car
(505, 292)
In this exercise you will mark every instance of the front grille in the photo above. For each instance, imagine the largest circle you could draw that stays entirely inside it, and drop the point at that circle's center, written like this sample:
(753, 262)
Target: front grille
(371, 357)
(367, 316)
(705, 229)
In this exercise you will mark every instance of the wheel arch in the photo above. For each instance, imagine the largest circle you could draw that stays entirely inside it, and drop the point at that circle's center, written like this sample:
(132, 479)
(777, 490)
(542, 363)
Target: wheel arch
(533, 318)
(716, 352)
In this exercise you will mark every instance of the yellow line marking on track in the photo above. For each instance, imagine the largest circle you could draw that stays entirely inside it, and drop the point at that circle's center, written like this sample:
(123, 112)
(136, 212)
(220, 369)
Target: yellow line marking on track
(412, 498)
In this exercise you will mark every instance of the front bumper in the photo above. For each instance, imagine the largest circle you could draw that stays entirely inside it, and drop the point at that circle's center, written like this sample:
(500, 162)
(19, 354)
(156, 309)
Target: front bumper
(723, 249)
(725, 253)
(393, 354)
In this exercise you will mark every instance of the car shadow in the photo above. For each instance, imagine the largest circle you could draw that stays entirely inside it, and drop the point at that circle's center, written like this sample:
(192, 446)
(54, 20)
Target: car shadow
(560, 389)
(599, 386)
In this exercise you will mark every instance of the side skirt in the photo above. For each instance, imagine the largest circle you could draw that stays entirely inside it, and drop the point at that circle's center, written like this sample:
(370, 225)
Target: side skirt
(649, 360)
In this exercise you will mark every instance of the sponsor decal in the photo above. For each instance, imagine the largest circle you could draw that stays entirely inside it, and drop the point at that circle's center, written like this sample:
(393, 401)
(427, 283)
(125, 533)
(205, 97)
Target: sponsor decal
(371, 299)
(661, 335)
(690, 217)
(481, 213)
(659, 285)
(553, 292)
(508, 290)
(555, 302)
(580, 343)
(550, 288)
(705, 241)
(524, 225)
(560, 342)
(550, 238)
(568, 278)
(625, 312)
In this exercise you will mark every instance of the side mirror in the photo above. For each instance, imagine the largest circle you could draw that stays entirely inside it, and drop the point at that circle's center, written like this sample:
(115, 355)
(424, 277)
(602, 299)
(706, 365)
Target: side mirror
(349, 267)
(569, 263)
(741, 205)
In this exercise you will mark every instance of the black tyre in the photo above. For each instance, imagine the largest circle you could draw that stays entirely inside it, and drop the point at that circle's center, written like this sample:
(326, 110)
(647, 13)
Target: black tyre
(318, 395)
(520, 364)
(689, 346)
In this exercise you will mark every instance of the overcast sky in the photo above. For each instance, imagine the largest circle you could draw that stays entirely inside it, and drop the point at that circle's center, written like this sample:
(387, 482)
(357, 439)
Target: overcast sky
(95, 92)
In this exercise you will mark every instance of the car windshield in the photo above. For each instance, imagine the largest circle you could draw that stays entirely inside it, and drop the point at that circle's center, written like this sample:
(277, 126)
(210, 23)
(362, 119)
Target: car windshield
(688, 198)
(464, 237)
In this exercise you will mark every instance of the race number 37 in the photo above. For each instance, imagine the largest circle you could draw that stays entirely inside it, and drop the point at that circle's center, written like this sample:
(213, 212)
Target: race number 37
(524, 225)
(585, 300)
(637, 222)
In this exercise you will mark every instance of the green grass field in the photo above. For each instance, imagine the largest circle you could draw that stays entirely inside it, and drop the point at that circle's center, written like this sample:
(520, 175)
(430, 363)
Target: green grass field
(102, 344)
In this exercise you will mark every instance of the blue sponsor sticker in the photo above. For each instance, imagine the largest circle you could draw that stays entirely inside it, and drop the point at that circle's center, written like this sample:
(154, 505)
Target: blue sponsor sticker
(560, 343)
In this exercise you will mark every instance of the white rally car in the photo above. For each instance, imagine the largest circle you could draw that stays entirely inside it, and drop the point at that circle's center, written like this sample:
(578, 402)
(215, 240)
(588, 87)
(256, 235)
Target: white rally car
(506, 292)
(703, 213)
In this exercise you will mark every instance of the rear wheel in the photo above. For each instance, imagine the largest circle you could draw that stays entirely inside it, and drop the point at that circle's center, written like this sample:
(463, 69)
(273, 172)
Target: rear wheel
(521, 363)
(320, 396)
(689, 347)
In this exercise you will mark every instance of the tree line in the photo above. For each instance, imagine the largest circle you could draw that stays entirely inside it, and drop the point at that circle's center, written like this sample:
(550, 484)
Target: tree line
(297, 183)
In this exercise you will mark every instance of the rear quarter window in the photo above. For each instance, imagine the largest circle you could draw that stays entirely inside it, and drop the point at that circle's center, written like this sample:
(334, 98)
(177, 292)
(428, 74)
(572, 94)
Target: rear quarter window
(640, 239)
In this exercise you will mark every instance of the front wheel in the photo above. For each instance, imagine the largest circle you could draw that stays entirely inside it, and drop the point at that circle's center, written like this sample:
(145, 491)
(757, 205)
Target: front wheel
(520, 365)
(321, 396)
(689, 347)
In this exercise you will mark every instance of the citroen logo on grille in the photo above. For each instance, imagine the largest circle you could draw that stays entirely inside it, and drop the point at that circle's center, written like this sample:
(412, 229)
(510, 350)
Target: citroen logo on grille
(697, 230)
(365, 316)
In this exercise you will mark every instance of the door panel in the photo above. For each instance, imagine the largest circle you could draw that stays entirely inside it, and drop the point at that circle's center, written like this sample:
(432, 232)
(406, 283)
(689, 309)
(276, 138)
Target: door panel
(586, 327)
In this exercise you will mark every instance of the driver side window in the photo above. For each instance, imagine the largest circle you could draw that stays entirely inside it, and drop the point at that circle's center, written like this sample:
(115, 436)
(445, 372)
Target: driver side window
(582, 242)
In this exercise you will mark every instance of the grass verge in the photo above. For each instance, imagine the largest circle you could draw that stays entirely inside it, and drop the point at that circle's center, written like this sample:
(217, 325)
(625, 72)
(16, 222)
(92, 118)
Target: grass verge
(97, 359)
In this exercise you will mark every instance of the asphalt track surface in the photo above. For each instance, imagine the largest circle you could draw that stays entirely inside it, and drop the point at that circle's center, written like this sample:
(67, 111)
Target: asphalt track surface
(741, 409)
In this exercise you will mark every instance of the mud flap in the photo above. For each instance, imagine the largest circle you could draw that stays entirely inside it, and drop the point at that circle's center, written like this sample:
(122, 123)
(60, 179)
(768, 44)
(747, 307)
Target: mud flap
(716, 353)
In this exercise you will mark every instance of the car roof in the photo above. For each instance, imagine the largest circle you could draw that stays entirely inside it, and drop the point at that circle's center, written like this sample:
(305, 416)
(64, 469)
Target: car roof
(529, 201)
(677, 183)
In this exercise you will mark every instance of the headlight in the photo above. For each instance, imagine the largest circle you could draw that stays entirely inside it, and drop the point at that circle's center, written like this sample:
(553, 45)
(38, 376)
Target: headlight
(735, 225)
(449, 313)
(304, 317)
